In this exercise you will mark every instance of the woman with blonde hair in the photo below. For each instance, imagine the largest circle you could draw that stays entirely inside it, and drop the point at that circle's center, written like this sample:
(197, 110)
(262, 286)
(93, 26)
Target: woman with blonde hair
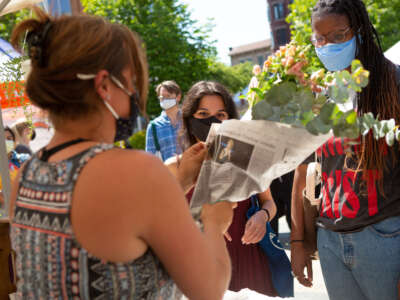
(23, 133)
(90, 221)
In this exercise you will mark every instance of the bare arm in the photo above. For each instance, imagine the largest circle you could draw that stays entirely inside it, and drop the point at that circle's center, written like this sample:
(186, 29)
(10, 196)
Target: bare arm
(145, 205)
(299, 257)
(268, 203)
(255, 227)
(184, 250)
(299, 183)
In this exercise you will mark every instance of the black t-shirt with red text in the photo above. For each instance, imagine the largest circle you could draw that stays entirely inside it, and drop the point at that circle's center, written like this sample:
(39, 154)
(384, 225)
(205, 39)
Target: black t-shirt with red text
(350, 200)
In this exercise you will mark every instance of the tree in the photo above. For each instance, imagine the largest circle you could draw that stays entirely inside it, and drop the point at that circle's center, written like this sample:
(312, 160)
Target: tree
(235, 78)
(8, 21)
(384, 14)
(177, 48)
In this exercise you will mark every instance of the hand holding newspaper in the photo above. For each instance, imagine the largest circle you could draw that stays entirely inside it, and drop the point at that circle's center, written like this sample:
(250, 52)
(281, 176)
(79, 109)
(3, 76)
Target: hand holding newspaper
(245, 156)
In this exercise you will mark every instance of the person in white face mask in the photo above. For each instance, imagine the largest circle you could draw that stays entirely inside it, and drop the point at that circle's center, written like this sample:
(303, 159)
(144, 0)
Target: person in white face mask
(162, 132)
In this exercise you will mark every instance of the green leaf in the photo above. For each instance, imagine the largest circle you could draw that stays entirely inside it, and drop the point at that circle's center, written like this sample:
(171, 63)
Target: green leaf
(262, 111)
(351, 117)
(339, 93)
(391, 124)
(304, 97)
(258, 91)
(376, 128)
(281, 94)
(306, 117)
(390, 138)
(397, 134)
(346, 130)
(383, 129)
(320, 99)
(326, 112)
(312, 128)
(321, 126)
(364, 128)
(369, 119)
(355, 64)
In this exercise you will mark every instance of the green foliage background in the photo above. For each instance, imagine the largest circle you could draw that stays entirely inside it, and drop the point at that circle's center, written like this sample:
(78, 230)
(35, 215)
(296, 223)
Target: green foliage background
(384, 14)
(176, 48)
(235, 78)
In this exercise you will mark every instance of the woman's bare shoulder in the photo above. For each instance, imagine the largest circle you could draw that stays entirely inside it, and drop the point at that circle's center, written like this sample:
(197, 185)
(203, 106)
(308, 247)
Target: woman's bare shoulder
(119, 191)
(122, 173)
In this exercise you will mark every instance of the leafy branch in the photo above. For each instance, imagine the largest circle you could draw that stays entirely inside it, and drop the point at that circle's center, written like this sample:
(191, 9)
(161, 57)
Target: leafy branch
(294, 90)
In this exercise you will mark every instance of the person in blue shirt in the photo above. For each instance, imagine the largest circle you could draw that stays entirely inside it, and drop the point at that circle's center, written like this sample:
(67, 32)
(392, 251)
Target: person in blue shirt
(162, 132)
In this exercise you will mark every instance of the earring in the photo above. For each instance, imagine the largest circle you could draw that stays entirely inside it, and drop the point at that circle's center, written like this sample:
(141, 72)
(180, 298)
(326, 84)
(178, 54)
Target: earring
(108, 97)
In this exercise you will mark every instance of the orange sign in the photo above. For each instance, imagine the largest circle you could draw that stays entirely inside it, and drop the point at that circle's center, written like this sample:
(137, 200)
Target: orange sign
(12, 94)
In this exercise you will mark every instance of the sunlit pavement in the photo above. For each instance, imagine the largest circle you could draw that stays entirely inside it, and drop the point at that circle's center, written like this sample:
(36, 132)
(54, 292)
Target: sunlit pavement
(317, 292)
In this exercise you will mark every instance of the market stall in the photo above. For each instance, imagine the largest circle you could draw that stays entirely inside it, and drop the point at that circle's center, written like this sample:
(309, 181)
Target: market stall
(12, 96)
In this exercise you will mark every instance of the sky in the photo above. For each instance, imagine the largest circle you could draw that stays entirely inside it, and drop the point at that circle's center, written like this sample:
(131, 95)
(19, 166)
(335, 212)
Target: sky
(237, 22)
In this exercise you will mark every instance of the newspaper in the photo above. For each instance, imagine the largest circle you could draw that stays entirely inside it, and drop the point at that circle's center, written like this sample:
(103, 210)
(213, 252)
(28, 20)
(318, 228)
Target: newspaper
(245, 156)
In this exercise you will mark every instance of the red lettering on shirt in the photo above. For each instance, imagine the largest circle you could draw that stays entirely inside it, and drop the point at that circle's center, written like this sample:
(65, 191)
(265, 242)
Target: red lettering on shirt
(337, 192)
(339, 148)
(352, 205)
(324, 150)
(326, 203)
(373, 176)
(330, 147)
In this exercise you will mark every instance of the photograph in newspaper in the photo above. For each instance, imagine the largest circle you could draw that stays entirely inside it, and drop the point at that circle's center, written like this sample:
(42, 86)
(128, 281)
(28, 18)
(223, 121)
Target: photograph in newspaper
(233, 151)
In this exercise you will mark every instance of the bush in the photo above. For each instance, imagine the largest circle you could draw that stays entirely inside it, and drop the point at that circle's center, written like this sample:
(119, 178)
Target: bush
(138, 140)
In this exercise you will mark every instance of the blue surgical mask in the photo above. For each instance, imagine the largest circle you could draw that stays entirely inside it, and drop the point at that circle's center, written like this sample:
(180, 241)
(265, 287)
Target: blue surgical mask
(337, 57)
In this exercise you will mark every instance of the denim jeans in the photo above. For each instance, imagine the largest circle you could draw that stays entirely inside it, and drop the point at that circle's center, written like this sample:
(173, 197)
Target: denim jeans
(362, 265)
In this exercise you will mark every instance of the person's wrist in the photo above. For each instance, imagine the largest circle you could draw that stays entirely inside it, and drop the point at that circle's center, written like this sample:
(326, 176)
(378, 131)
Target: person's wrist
(265, 212)
(210, 225)
(296, 243)
(183, 179)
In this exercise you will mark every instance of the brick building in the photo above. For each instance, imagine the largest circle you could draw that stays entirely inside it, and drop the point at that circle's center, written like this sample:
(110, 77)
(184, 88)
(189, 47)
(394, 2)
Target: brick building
(256, 52)
(277, 12)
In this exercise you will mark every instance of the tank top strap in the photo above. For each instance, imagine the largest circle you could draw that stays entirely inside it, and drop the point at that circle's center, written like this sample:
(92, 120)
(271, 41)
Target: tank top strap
(81, 160)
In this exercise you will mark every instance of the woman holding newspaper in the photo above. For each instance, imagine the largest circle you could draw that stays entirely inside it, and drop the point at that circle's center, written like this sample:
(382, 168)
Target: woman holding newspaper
(359, 219)
(207, 103)
(90, 220)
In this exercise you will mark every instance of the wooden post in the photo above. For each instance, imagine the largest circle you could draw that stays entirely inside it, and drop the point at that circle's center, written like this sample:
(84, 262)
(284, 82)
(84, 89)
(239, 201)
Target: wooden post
(4, 172)
(76, 7)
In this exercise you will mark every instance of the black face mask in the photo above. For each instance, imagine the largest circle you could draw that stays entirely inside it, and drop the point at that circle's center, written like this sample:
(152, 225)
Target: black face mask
(125, 126)
(201, 127)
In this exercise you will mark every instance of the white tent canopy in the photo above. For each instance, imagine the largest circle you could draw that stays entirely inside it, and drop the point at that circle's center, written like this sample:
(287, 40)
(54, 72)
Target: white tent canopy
(394, 53)
(9, 6)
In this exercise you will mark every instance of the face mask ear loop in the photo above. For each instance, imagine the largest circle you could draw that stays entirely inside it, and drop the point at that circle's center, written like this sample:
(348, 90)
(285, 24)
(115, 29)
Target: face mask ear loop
(120, 85)
(111, 109)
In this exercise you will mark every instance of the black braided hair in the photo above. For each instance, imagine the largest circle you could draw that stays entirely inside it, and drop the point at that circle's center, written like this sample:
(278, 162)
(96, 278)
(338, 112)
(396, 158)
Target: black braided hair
(381, 96)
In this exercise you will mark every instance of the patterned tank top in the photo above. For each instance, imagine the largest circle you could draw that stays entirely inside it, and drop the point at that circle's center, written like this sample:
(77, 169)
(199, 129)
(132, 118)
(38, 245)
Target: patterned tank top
(51, 264)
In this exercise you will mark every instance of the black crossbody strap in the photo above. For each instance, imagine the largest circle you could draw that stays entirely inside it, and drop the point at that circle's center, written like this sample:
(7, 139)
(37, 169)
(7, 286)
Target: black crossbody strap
(46, 154)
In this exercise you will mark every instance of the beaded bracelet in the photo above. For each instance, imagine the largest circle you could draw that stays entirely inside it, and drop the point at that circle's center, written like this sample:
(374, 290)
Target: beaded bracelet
(296, 241)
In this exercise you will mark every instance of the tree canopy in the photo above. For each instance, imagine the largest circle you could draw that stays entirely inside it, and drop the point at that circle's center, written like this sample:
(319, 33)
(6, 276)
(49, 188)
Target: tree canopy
(235, 78)
(177, 48)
